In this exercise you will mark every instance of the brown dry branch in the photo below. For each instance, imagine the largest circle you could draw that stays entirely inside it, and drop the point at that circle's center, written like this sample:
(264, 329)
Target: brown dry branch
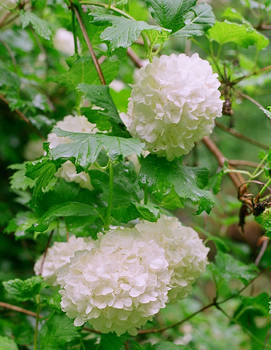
(45, 252)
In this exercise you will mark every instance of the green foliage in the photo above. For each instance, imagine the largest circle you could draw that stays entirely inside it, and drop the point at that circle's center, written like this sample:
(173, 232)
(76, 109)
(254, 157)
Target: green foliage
(241, 34)
(55, 337)
(197, 22)
(171, 183)
(23, 290)
(123, 32)
(39, 25)
(7, 344)
(86, 148)
(100, 96)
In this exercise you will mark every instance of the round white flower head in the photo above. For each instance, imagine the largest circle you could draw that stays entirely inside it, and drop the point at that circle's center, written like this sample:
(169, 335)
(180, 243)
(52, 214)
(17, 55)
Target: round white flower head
(173, 104)
(60, 255)
(64, 42)
(68, 170)
(119, 285)
(184, 250)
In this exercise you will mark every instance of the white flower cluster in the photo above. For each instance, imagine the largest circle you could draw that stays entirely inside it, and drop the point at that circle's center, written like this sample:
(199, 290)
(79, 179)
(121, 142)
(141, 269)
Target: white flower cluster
(173, 104)
(128, 275)
(58, 256)
(68, 170)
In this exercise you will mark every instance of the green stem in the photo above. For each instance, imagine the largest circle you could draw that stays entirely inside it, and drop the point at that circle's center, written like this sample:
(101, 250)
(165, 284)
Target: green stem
(110, 195)
(112, 8)
(109, 4)
(37, 324)
(145, 195)
(265, 187)
(74, 33)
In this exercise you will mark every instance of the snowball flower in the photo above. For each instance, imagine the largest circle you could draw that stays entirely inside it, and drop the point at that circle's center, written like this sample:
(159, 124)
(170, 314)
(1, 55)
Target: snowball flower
(68, 170)
(64, 42)
(33, 149)
(60, 255)
(130, 275)
(173, 104)
(184, 250)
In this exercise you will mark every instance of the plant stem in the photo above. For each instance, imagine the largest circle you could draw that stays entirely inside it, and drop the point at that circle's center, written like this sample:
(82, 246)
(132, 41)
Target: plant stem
(112, 8)
(89, 45)
(37, 324)
(264, 187)
(110, 194)
(74, 33)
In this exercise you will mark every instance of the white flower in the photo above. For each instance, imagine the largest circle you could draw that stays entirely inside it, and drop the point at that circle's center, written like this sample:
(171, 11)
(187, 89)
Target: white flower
(173, 104)
(117, 85)
(10, 4)
(131, 274)
(59, 255)
(68, 170)
(64, 42)
(119, 285)
(73, 124)
(184, 250)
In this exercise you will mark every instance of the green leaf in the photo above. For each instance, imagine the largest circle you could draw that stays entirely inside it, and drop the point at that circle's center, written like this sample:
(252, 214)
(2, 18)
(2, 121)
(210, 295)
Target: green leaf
(57, 332)
(82, 70)
(241, 34)
(64, 210)
(100, 96)
(170, 13)
(23, 290)
(197, 21)
(148, 211)
(39, 25)
(123, 32)
(232, 14)
(252, 306)
(166, 345)
(172, 183)
(43, 172)
(111, 342)
(19, 181)
(20, 224)
(227, 269)
(7, 344)
(85, 148)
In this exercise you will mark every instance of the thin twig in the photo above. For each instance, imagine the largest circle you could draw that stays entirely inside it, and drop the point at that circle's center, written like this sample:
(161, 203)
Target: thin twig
(247, 163)
(236, 179)
(256, 103)
(261, 252)
(23, 117)
(257, 72)
(241, 136)
(160, 330)
(89, 45)
(45, 252)
(133, 56)
(18, 309)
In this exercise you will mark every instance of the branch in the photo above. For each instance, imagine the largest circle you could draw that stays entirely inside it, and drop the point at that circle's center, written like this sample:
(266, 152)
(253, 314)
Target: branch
(45, 252)
(257, 72)
(160, 330)
(241, 136)
(18, 309)
(256, 103)
(133, 56)
(23, 117)
(247, 163)
(89, 45)
(262, 251)
(236, 178)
